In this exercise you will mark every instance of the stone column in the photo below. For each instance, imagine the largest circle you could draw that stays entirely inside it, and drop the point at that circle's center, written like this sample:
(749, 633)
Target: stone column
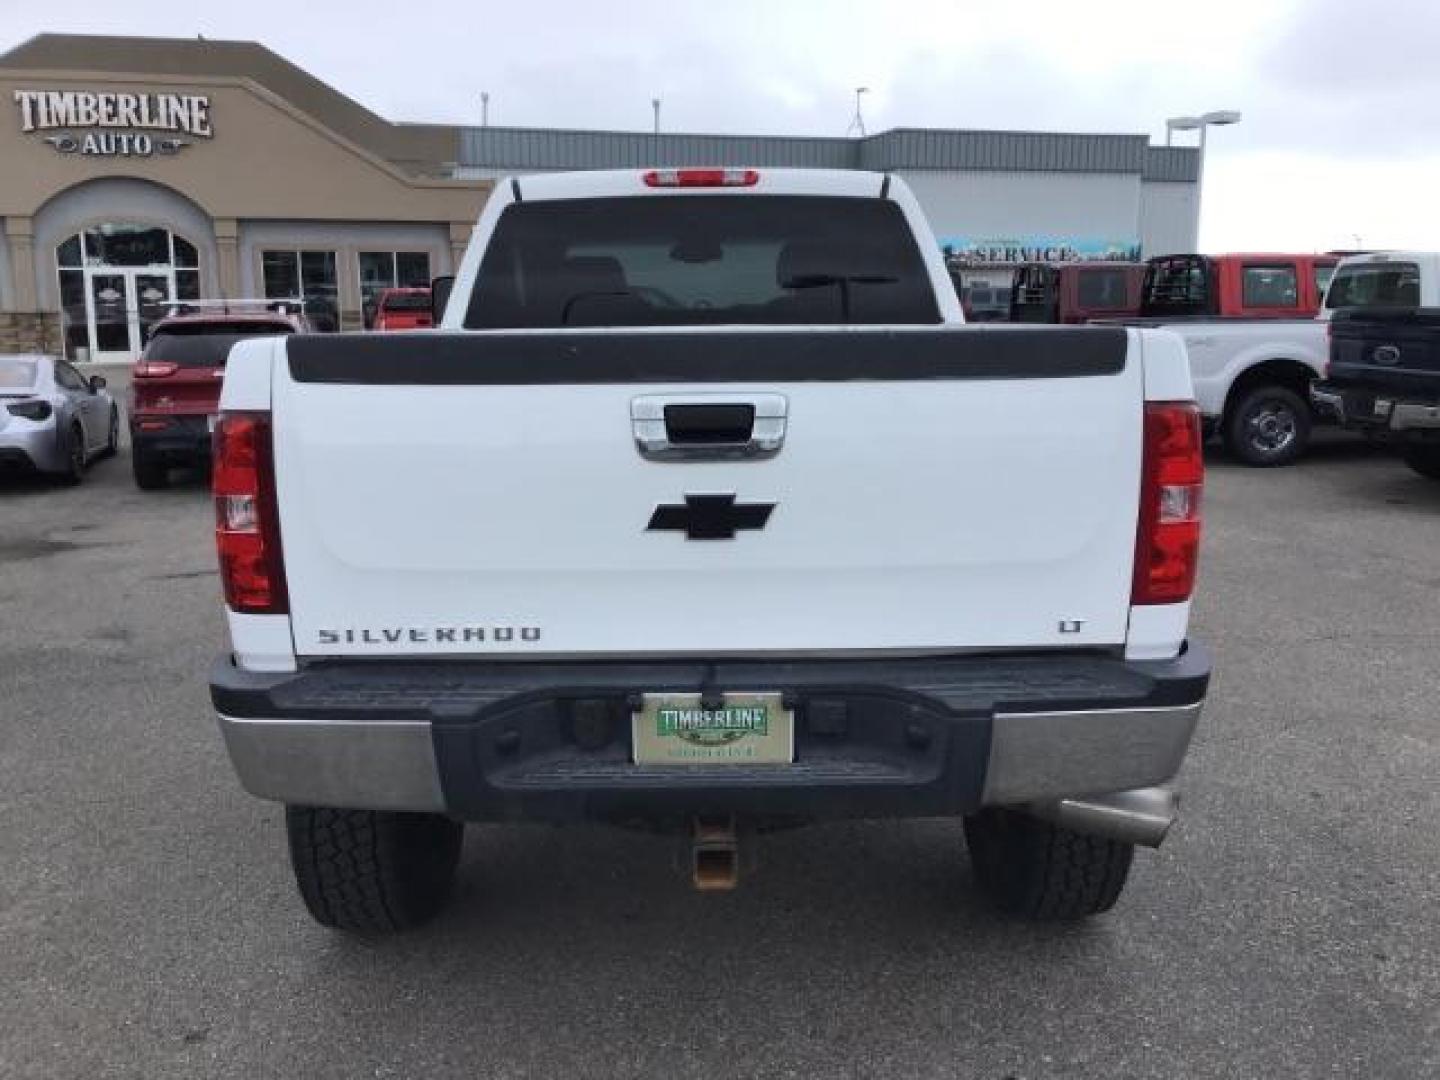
(459, 240)
(227, 250)
(21, 233)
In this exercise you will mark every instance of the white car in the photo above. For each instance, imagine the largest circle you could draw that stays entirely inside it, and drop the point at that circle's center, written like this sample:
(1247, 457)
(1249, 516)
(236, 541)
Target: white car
(702, 509)
(53, 420)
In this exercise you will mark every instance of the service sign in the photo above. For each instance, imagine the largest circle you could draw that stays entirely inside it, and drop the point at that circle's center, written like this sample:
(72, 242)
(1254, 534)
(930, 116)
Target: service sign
(114, 124)
(965, 250)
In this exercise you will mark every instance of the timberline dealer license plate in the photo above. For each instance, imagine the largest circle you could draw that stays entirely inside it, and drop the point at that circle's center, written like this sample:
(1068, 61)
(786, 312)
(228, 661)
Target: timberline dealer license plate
(747, 729)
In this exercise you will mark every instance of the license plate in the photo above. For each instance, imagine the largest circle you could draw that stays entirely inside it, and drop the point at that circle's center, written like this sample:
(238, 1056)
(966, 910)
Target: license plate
(747, 729)
(1383, 407)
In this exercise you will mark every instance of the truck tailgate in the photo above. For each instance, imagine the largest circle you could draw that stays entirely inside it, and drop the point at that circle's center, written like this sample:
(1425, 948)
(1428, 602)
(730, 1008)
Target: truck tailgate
(485, 493)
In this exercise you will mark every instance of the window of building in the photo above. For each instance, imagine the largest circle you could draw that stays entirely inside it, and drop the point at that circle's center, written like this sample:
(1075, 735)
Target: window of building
(304, 274)
(381, 270)
(1269, 287)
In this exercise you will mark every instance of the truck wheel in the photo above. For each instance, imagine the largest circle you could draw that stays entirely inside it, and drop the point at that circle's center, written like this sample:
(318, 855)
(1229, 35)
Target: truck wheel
(1268, 426)
(1039, 871)
(372, 871)
(150, 473)
(1425, 460)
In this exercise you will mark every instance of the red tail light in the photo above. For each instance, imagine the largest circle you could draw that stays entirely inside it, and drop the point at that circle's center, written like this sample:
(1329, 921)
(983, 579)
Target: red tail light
(1167, 541)
(247, 523)
(151, 369)
(702, 178)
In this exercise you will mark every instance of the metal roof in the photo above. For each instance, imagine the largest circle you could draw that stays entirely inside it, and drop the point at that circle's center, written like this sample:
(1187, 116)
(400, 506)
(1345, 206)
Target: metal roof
(507, 148)
(1177, 163)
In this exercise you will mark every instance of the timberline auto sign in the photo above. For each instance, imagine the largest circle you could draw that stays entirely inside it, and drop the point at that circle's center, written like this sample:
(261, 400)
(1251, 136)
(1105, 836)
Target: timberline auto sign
(115, 125)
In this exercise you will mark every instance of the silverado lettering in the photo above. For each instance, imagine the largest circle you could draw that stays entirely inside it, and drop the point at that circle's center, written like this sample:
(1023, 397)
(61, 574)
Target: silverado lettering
(422, 635)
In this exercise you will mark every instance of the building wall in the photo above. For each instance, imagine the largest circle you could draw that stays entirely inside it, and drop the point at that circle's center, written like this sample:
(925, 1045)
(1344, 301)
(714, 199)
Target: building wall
(1167, 218)
(1020, 205)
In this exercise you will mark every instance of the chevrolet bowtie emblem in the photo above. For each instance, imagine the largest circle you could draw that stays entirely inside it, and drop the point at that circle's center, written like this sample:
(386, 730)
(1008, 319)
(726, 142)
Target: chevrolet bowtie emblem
(710, 517)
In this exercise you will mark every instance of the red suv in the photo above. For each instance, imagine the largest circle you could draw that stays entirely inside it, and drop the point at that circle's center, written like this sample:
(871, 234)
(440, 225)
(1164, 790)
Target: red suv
(175, 385)
(403, 309)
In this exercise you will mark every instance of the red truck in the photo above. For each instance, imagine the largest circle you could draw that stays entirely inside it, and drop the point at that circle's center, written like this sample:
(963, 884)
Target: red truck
(403, 309)
(175, 385)
(1075, 292)
(1265, 286)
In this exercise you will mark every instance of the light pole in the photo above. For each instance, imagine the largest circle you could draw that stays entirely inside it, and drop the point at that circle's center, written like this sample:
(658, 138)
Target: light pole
(1203, 122)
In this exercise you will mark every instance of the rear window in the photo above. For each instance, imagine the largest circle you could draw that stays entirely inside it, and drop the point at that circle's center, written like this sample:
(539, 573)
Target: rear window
(406, 302)
(1389, 284)
(206, 344)
(16, 374)
(1101, 288)
(1269, 287)
(701, 260)
(1178, 286)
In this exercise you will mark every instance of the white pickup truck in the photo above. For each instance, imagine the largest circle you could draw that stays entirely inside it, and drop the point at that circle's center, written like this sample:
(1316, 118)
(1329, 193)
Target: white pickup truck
(702, 510)
(1255, 345)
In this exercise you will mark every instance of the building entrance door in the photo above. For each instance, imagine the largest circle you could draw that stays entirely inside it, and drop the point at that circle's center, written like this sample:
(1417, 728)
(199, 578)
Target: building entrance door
(120, 307)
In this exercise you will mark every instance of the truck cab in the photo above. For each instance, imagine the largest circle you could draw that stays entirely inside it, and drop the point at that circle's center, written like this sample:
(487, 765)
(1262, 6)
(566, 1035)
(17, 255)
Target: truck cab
(1075, 292)
(1384, 279)
(1235, 286)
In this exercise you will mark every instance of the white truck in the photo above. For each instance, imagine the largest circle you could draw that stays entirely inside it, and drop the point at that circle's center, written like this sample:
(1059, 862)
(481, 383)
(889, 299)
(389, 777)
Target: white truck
(702, 510)
(1255, 345)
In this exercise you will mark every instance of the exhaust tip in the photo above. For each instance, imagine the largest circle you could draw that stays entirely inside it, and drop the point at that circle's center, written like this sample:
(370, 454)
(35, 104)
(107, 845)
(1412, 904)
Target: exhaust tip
(1142, 816)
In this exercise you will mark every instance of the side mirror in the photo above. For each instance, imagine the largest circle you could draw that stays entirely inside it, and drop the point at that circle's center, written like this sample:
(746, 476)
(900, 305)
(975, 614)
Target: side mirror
(97, 382)
(440, 289)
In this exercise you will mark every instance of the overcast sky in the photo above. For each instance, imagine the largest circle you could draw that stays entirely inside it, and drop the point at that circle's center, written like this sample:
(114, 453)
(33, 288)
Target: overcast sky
(1340, 145)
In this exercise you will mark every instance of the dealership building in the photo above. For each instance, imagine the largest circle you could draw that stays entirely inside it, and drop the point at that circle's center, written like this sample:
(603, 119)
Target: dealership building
(139, 171)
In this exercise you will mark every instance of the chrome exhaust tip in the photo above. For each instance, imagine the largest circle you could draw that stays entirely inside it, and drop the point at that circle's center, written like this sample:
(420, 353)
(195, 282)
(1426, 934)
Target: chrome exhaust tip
(1142, 816)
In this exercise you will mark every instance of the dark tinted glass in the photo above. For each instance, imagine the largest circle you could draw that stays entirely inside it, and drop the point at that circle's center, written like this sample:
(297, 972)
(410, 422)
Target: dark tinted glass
(702, 259)
(209, 346)
(1269, 286)
(1392, 284)
(1101, 288)
(128, 245)
(407, 302)
(412, 269)
(16, 374)
(185, 253)
(68, 253)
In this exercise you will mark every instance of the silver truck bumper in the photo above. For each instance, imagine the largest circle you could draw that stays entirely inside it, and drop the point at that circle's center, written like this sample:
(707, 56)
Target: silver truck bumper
(1037, 760)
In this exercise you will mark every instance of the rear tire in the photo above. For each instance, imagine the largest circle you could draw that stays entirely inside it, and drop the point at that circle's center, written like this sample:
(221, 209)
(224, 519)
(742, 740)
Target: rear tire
(75, 457)
(372, 871)
(112, 440)
(1043, 872)
(1268, 426)
(151, 474)
(1425, 460)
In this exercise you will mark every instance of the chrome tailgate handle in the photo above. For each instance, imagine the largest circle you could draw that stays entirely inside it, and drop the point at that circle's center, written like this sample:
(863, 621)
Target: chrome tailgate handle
(709, 427)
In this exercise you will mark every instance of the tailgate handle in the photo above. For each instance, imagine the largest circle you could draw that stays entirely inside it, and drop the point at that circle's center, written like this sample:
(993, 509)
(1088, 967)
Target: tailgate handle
(708, 427)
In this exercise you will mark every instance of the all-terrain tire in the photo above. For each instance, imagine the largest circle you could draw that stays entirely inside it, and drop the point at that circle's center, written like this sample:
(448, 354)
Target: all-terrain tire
(1425, 460)
(1267, 426)
(372, 871)
(151, 474)
(1043, 872)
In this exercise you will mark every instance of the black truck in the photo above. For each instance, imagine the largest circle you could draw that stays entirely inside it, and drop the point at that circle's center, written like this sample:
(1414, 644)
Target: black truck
(1384, 379)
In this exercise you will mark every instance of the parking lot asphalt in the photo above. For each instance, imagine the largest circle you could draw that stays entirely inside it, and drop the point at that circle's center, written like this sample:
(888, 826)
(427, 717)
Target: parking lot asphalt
(1288, 928)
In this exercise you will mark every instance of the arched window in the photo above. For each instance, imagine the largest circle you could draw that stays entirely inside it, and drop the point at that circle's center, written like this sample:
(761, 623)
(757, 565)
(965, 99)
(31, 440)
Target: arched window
(116, 279)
